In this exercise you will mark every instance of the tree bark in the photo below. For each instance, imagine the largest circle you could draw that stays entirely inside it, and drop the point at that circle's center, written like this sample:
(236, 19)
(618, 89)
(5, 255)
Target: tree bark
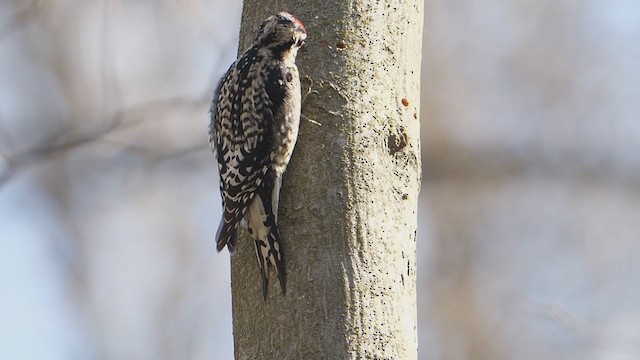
(349, 197)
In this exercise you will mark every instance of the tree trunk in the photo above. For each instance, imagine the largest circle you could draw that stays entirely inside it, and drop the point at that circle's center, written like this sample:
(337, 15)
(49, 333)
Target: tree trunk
(349, 197)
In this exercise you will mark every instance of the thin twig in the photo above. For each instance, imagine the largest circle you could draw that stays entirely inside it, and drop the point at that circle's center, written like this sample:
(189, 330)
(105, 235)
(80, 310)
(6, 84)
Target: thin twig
(63, 142)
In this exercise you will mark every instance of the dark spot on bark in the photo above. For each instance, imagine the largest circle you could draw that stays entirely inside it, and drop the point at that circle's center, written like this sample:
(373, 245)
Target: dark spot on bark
(396, 142)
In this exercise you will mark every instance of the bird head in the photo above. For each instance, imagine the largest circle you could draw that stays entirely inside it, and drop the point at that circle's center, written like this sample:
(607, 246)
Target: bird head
(281, 32)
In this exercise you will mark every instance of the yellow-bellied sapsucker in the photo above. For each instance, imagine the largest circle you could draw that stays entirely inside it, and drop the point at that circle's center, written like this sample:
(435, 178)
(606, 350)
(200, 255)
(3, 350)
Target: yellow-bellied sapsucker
(255, 116)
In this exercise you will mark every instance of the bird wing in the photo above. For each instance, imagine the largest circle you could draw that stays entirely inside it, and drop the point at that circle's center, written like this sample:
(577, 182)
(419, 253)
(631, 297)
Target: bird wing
(242, 130)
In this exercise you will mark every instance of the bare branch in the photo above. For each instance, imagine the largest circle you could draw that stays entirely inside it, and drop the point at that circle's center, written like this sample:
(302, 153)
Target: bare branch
(63, 142)
(21, 18)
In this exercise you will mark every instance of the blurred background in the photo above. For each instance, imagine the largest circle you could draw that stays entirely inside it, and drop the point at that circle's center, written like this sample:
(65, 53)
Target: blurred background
(529, 239)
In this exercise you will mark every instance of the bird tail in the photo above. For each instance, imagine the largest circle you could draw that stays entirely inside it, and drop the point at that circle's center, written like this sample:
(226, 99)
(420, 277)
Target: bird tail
(264, 230)
(269, 251)
(227, 233)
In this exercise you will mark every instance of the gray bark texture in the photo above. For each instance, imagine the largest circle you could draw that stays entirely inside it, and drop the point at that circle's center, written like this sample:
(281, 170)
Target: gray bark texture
(349, 197)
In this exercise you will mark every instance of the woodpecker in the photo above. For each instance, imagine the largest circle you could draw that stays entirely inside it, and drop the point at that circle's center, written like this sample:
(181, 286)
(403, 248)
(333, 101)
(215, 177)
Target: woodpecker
(255, 115)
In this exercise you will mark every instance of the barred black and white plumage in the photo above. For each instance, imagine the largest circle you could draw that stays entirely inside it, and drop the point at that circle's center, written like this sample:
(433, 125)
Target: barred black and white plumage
(255, 116)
